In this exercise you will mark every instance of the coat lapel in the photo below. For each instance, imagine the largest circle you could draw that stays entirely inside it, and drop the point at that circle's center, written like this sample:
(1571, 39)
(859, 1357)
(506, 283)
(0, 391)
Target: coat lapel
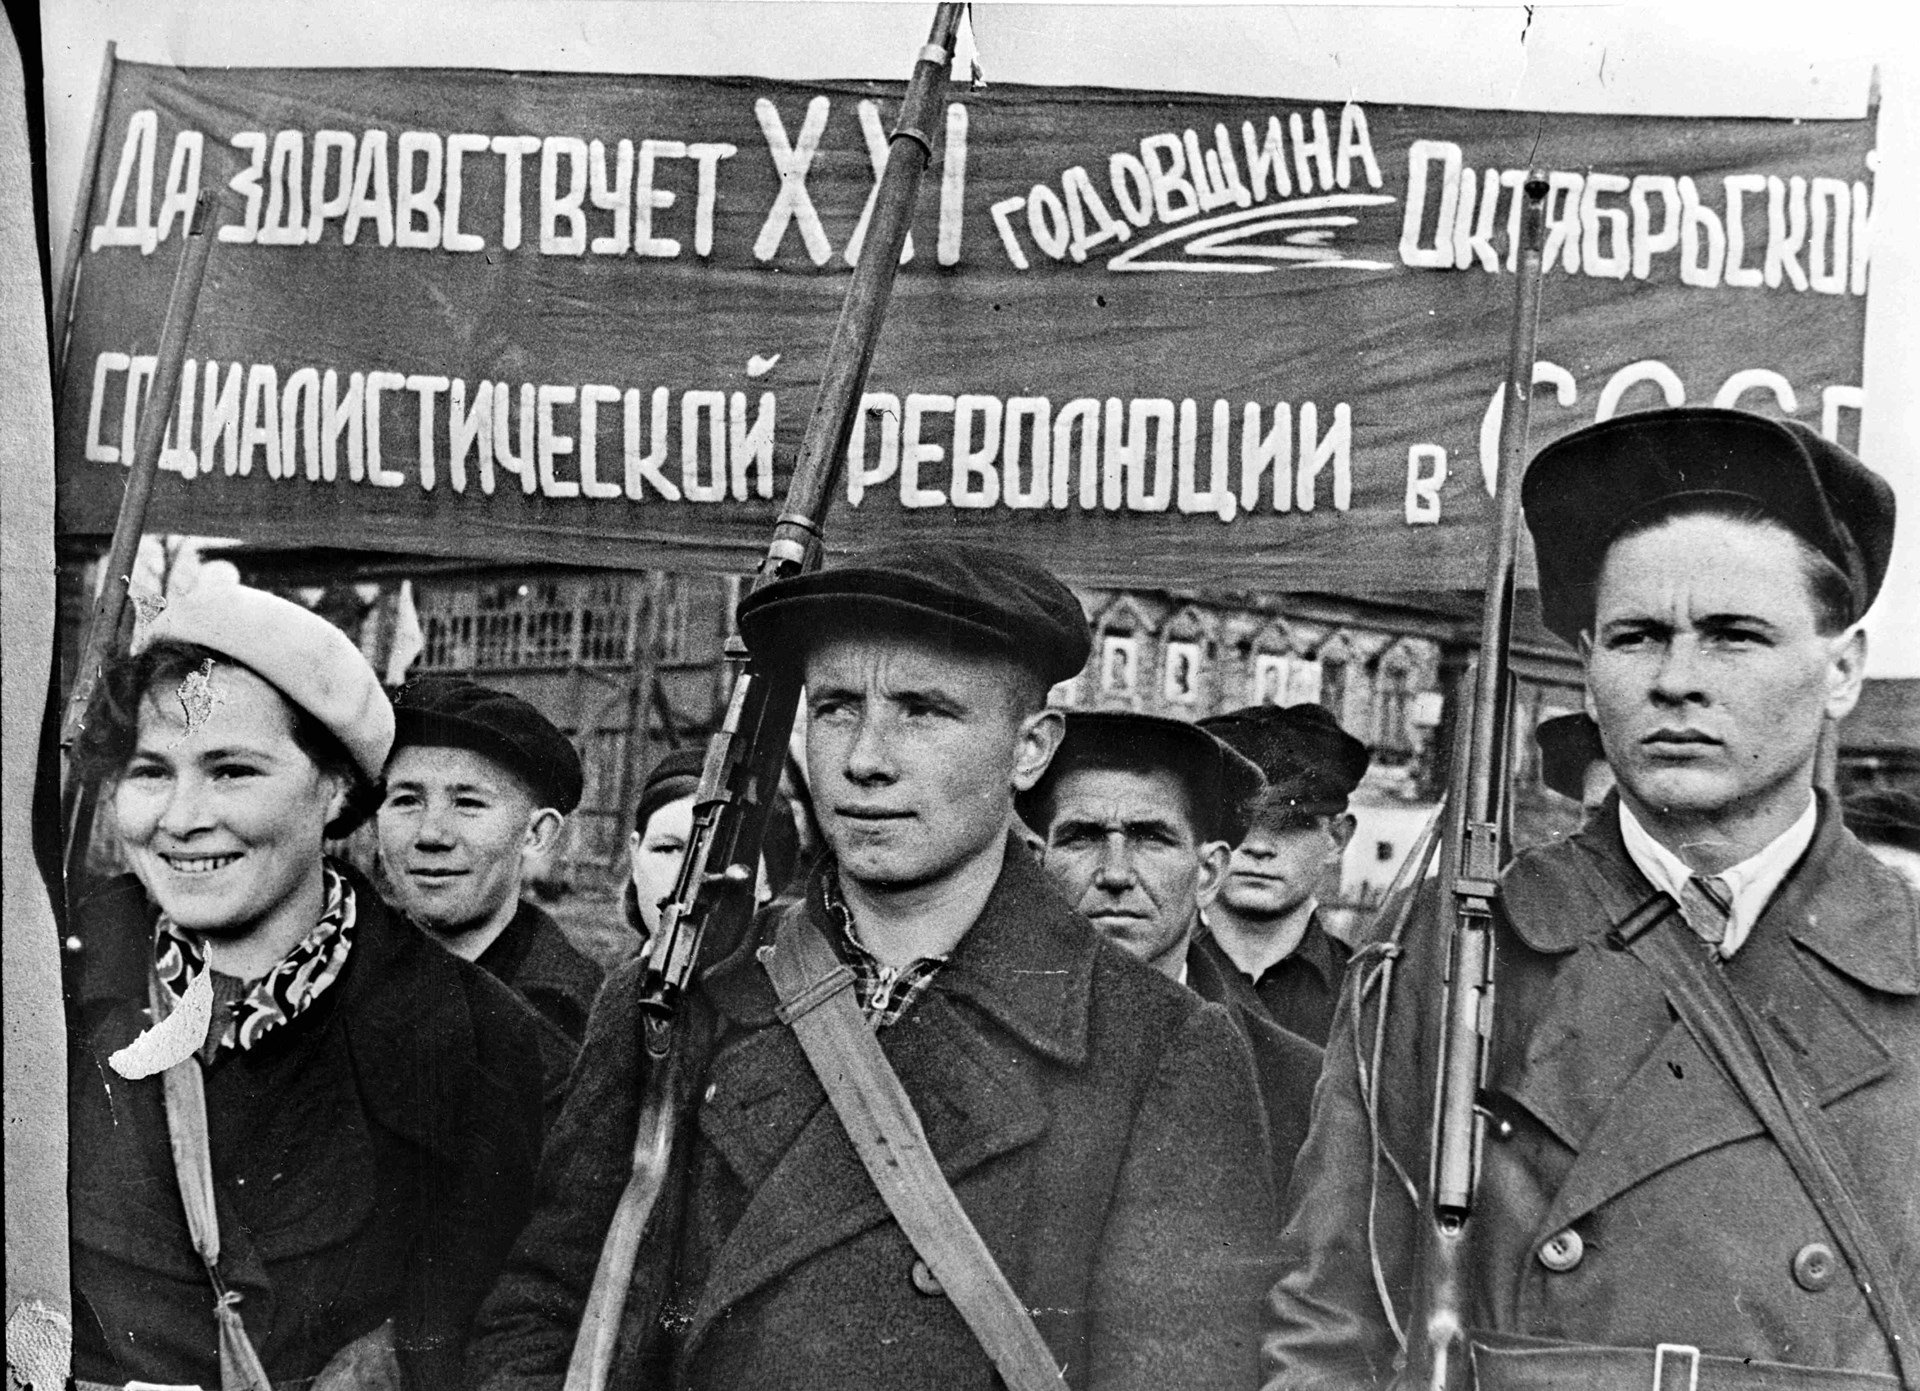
(965, 1052)
(1611, 1071)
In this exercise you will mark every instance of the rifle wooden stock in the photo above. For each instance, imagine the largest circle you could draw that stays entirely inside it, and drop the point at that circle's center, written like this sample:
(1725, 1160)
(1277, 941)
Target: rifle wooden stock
(102, 640)
(1474, 856)
(712, 903)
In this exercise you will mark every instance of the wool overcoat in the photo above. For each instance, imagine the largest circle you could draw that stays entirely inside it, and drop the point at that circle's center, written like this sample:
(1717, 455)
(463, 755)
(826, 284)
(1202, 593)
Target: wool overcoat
(1285, 1065)
(533, 957)
(1629, 1196)
(373, 1159)
(1098, 1123)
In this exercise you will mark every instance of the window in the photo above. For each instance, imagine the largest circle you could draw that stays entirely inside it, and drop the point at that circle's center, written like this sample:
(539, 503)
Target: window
(1282, 680)
(1180, 676)
(1119, 665)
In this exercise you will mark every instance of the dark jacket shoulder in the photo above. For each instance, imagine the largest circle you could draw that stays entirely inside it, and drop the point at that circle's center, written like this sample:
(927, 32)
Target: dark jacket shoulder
(534, 958)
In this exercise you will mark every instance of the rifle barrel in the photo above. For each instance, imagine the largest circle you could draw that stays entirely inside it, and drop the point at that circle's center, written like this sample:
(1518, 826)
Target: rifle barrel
(741, 776)
(1437, 1354)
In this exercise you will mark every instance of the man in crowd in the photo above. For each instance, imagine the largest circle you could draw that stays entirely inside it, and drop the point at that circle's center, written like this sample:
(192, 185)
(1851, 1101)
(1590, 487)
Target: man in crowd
(1098, 1124)
(1265, 924)
(1137, 814)
(478, 787)
(1700, 1133)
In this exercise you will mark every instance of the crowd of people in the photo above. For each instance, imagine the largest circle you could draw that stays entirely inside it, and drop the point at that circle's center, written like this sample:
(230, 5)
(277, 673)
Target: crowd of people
(366, 1120)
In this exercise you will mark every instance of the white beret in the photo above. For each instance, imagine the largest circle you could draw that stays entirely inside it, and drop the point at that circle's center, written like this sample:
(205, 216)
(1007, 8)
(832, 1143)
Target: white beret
(308, 660)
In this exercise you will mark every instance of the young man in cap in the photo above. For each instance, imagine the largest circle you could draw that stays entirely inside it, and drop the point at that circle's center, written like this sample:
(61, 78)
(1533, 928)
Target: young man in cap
(1707, 1006)
(1138, 815)
(1265, 925)
(478, 785)
(1098, 1124)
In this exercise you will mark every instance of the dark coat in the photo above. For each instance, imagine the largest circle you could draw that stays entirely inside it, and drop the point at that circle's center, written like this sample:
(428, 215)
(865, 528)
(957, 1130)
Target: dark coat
(1299, 993)
(1285, 1065)
(533, 957)
(1098, 1122)
(1609, 1122)
(373, 1158)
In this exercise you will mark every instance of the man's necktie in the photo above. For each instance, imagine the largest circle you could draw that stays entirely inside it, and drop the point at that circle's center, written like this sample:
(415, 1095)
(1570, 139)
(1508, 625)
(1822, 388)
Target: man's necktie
(1706, 906)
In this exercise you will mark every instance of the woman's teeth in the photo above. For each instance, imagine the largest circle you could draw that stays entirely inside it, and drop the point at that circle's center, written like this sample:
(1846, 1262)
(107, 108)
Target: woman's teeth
(199, 864)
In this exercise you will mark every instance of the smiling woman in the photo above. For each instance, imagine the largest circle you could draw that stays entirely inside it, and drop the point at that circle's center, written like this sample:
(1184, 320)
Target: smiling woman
(242, 734)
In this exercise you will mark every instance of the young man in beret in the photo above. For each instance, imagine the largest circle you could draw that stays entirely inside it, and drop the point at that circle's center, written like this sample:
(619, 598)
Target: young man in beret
(1707, 1005)
(1098, 1124)
(1138, 815)
(1265, 926)
(479, 783)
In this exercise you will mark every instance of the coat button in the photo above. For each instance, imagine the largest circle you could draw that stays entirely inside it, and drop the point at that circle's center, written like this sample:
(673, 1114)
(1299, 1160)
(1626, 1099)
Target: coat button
(1813, 1266)
(1562, 1251)
(925, 1280)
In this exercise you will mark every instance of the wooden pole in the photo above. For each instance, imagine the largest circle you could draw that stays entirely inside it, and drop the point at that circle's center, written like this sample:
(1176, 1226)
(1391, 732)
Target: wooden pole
(110, 603)
(63, 290)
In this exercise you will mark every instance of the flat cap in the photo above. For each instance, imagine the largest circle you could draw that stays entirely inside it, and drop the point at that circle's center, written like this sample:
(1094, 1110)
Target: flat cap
(1311, 764)
(676, 775)
(453, 712)
(1223, 784)
(952, 592)
(1569, 744)
(1587, 488)
(296, 651)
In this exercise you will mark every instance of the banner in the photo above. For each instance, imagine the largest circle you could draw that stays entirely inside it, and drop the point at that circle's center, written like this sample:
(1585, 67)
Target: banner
(1148, 338)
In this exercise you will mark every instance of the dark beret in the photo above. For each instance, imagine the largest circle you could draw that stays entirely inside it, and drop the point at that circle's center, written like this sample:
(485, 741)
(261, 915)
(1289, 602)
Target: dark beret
(1568, 745)
(1884, 816)
(1311, 764)
(1589, 487)
(1222, 783)
(952, 592)
(453, 712)
(673, 777)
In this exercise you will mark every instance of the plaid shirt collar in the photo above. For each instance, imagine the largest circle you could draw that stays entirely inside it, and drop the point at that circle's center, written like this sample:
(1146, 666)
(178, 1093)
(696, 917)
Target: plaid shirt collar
(885, 994)
(283, 993)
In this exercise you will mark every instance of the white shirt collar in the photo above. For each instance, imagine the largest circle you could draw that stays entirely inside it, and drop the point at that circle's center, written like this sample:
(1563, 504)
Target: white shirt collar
(1749, 885)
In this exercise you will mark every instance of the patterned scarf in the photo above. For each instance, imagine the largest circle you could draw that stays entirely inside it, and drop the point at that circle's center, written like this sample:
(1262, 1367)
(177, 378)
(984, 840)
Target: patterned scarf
(884, 993)
(288, 988)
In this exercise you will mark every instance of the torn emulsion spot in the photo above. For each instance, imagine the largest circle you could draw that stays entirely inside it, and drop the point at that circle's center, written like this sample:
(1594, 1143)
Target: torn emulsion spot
(199, 697)
(147, 606)
(39, 1346)
(173, 1039)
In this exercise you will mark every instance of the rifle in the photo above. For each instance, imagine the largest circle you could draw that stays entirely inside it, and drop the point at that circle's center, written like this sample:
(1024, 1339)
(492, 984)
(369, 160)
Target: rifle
(1474, 855)
(713, 896)
(104, 623)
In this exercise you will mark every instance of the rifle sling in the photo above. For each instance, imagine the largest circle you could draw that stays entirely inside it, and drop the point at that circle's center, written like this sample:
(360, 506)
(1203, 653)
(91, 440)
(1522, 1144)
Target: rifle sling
(1748, 1051)
(817, 1002)
(183, 1090)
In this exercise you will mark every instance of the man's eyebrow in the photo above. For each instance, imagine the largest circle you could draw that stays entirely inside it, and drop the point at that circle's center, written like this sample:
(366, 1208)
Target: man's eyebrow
(1735, 620)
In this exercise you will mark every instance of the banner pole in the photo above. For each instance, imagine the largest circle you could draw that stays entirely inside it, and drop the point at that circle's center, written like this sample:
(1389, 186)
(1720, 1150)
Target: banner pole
(59, 324)
(110, 604)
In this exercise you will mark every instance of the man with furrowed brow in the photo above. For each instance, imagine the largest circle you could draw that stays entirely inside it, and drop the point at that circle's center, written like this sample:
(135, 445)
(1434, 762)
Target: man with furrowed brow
(1702, 1097)
(1098, 1124)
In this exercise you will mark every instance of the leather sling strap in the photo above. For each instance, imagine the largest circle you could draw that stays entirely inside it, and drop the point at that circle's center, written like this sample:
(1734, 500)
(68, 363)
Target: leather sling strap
(1749, 1052)
(817, 1002)
(184, 1091)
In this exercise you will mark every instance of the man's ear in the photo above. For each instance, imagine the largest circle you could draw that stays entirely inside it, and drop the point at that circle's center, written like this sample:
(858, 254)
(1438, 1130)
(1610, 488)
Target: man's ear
(543, 830)
(1039, 739)
(1846, 671)
(1215, 855)
(1340, 829)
